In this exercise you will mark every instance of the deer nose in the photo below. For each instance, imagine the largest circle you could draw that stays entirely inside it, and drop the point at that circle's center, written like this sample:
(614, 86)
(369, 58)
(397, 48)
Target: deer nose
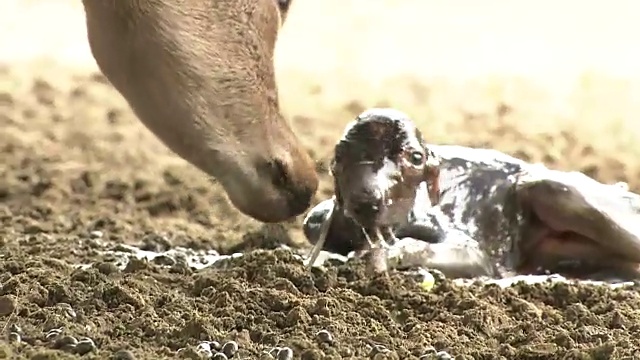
(366, 210)
(299, 200)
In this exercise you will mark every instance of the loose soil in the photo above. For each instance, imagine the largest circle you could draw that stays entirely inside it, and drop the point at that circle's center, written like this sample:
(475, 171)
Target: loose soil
(80, 175)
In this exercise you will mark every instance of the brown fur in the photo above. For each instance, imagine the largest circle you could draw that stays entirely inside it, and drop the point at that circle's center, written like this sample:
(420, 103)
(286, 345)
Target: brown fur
(200, 76)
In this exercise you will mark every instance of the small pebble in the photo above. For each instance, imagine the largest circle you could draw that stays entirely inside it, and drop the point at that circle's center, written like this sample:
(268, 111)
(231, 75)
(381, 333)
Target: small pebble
(206, 353)
(285, 353)
(123, 355)
(7, 305)
(68, 310)
(204, 346)
(323, 336)
(68, 348)
(15, 328)
(164, 260)
(53, 333)
(96, 234)
(230, 348)
(321, 307)
(443, 355)
(265, 356)
(66, 342)
(190, 353)
(274, 352)
(135, 264)
(380, 356)
(346, 353)
(14, 337)
(439, 355)
(428, 353)
(107, 268)
(617, 320)
(378, 349)
(85, 346)
(219, 356)
(55, 330)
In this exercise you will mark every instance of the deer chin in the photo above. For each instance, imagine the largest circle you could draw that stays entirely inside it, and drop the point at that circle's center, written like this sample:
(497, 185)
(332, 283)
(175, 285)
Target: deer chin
(259, 201)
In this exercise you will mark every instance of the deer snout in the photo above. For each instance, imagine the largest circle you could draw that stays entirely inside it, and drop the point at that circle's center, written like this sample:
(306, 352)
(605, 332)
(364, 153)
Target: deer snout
(296, 183)
(364, 201)
(294, 177)
(365, 210)
(272, 189)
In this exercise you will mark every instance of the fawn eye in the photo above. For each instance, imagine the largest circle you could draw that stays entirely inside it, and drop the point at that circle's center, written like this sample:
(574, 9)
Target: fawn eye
(416, 158)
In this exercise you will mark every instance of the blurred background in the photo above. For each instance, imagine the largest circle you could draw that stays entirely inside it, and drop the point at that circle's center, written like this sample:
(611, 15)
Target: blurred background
(550, 81)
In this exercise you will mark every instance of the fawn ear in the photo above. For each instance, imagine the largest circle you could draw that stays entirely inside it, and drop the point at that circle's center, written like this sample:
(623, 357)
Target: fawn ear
(432, 176)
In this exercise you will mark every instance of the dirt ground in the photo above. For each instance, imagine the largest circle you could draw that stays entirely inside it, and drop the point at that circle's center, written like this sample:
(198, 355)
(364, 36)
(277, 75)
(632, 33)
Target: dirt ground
(79, 175)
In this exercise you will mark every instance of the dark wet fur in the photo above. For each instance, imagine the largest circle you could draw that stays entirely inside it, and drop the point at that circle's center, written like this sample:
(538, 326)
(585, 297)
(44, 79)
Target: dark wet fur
(368, 140)
(491, 203)
(478, 195)
(373, 138)
(496, 225)
(482, 195)
(345, 235)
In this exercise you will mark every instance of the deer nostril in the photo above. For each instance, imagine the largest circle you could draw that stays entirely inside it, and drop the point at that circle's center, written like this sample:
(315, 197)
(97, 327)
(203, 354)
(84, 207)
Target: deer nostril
(278, 173)
(300, 200)
(299, 195)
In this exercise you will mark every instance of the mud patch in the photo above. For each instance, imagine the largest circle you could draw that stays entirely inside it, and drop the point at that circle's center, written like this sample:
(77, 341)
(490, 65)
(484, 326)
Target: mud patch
(268, 299)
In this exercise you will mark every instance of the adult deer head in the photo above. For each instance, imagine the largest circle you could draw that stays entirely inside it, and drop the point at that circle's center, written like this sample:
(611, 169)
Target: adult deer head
(200, 75)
